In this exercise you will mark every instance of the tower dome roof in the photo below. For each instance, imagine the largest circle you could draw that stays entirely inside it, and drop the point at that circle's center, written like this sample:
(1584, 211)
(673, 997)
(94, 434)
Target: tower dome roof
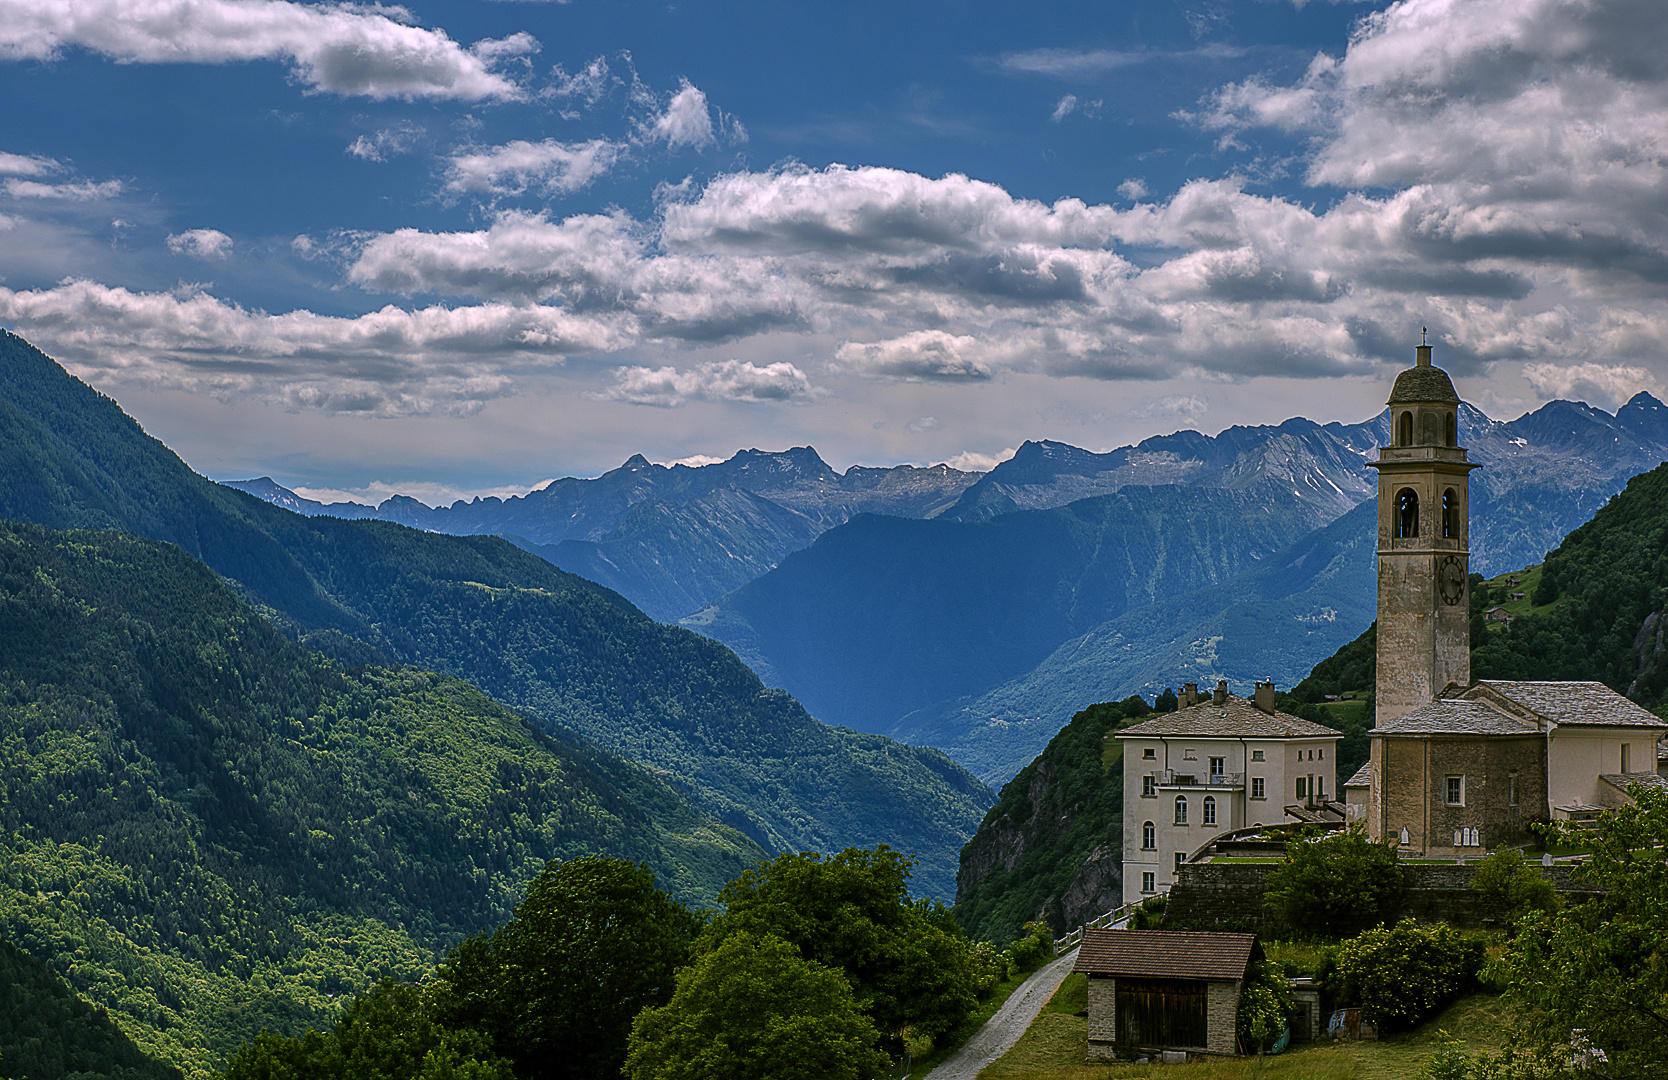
(1423, 384)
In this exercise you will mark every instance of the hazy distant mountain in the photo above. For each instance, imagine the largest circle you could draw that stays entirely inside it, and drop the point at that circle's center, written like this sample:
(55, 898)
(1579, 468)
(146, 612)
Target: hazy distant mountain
(886, 624)
(672, 539)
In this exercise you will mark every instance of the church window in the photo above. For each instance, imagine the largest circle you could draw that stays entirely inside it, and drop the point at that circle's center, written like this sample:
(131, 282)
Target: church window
(1256, 755)
(1455, 791)
(1181, 809)
(1407, 513)
(1210, 810)
(1149, 836)
(1147, 882)
(1149, 787)
(1625, 749)
(1257, 790)
(1452, 431)
(1404, 429)
(1511, 790)
(1450, 514)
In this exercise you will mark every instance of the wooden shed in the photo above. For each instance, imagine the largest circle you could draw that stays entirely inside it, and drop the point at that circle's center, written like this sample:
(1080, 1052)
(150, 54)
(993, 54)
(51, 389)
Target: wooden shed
(1164, 990)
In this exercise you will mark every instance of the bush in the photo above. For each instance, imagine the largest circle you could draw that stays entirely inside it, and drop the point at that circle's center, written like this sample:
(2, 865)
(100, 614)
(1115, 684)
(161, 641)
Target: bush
(1512, 887)
(1265, 1007)
(1034, 949)
(1402, 974)
(1150, 915)
(1335, 884)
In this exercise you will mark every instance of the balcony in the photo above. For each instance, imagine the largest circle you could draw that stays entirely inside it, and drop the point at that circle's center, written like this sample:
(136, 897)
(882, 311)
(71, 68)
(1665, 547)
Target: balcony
(1170, 778)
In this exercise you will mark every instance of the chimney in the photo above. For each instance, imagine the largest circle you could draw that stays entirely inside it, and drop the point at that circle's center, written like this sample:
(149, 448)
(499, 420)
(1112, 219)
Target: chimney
(1265, 696)
(1189, 695)
(1221, 697)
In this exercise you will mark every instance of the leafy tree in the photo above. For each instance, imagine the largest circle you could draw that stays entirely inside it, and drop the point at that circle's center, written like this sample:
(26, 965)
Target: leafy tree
(1599, 967)
(1037, 946)
(1335, 884)
(387, 1034)
(754, 1009)
(1512, 887)
(556, 988)
(1401, 974)
(909, 966)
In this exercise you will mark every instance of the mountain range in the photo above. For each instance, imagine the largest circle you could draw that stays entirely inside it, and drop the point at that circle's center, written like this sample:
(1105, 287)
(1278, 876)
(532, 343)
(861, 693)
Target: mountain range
(980, 612)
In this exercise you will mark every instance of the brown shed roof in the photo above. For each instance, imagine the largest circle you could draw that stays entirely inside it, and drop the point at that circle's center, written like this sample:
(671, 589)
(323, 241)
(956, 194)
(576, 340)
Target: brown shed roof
(1166, 954)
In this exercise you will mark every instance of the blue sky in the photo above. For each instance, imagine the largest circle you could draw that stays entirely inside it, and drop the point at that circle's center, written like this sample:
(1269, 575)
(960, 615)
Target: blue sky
(457, 247)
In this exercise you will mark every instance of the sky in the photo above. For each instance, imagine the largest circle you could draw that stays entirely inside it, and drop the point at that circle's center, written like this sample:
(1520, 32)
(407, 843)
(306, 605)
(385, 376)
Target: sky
(462, 247)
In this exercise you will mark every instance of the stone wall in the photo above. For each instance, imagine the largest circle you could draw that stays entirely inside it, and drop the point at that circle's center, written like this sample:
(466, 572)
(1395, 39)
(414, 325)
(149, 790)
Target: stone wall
(1103, 997)
(1230, 895)
(1221, 1017)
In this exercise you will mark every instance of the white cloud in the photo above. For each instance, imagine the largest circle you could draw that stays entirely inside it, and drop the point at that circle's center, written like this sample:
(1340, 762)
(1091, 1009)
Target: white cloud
(201, 243)
(1066, 106)
(921, 354)
(387, 143)
(1603, 384)
(1186, 409)
(696, 461)
(686, 120)
(26, 165)
(1133, 189)
(428, 492)
(1068, 63)
(389, 362)
(973, 461)
(366, 50)
(551, 166)
(721, 380)
(76, 191)
(586, 86)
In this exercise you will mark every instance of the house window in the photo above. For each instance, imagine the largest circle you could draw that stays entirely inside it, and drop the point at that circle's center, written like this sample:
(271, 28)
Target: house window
(1257, 791)
(1187, 755)
(1181, 809)
(1218, 769)
(1147, 881)
(1181, 859)
(1302, 787)
(1149, 754)
(1256, 755)
(1149, 836)
(1320, 787)
(1149, 787)
(1456, 791)
(1210, 810)
(1322, 753)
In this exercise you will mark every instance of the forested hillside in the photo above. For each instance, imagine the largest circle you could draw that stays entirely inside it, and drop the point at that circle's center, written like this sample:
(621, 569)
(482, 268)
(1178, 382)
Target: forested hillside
(47, 1031)
(208, 828)
(573, 654)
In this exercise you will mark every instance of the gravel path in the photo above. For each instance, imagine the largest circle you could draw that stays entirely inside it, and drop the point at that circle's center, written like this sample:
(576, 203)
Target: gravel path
(1001, 1031)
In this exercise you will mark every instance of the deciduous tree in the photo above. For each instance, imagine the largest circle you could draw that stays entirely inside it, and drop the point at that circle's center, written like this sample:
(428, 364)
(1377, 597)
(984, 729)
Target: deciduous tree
(1335, 884)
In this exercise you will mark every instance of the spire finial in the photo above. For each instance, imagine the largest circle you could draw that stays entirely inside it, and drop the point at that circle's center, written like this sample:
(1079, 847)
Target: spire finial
(1422, 332)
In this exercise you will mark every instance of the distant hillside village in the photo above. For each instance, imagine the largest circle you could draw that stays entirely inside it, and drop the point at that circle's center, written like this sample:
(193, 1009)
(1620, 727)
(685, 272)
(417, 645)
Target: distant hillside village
(1456, 768)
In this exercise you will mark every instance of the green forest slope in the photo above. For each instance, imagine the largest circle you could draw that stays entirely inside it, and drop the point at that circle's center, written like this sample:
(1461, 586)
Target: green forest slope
(573, 654)
(208, 828)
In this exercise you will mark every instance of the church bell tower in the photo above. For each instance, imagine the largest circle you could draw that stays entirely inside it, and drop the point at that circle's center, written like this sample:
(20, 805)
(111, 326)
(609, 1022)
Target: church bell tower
(1424, 611)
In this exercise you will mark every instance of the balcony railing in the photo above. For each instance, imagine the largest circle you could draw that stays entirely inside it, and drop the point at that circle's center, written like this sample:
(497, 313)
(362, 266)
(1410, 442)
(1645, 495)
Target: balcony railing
(1172, 778)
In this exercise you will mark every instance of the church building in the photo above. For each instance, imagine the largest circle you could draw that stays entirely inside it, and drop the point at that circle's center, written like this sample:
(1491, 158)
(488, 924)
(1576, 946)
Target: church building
(1455, 766)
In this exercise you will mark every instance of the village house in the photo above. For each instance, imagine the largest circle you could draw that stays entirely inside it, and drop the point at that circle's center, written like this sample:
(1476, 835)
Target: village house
(1218, 763)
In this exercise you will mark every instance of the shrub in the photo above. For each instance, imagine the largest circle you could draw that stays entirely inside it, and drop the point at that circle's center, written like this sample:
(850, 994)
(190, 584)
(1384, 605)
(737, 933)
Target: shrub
(1402, 974)
(1034, 949)
(1265, 1007)
(1513, 887)
(1150, 915)
(1335, 884)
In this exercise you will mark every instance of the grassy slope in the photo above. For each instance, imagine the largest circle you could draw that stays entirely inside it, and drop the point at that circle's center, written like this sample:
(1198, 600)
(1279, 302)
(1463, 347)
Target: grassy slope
(207, 828)
(1053, 1048)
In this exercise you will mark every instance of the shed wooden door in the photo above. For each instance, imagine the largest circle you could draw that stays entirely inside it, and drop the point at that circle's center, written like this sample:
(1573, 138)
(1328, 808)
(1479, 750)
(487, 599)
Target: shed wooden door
(1161, 1012)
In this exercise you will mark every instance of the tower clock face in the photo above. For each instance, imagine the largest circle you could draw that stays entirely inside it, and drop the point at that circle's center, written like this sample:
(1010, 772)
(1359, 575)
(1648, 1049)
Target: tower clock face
(1450, 577)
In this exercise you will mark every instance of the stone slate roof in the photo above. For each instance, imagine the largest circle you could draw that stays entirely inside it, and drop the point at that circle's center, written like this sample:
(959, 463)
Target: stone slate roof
(1166, 954)
(1587, 703)
(1363, 777)
(1456, 716)
(1429, 384)
(1620, 781)
(1235, 719)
